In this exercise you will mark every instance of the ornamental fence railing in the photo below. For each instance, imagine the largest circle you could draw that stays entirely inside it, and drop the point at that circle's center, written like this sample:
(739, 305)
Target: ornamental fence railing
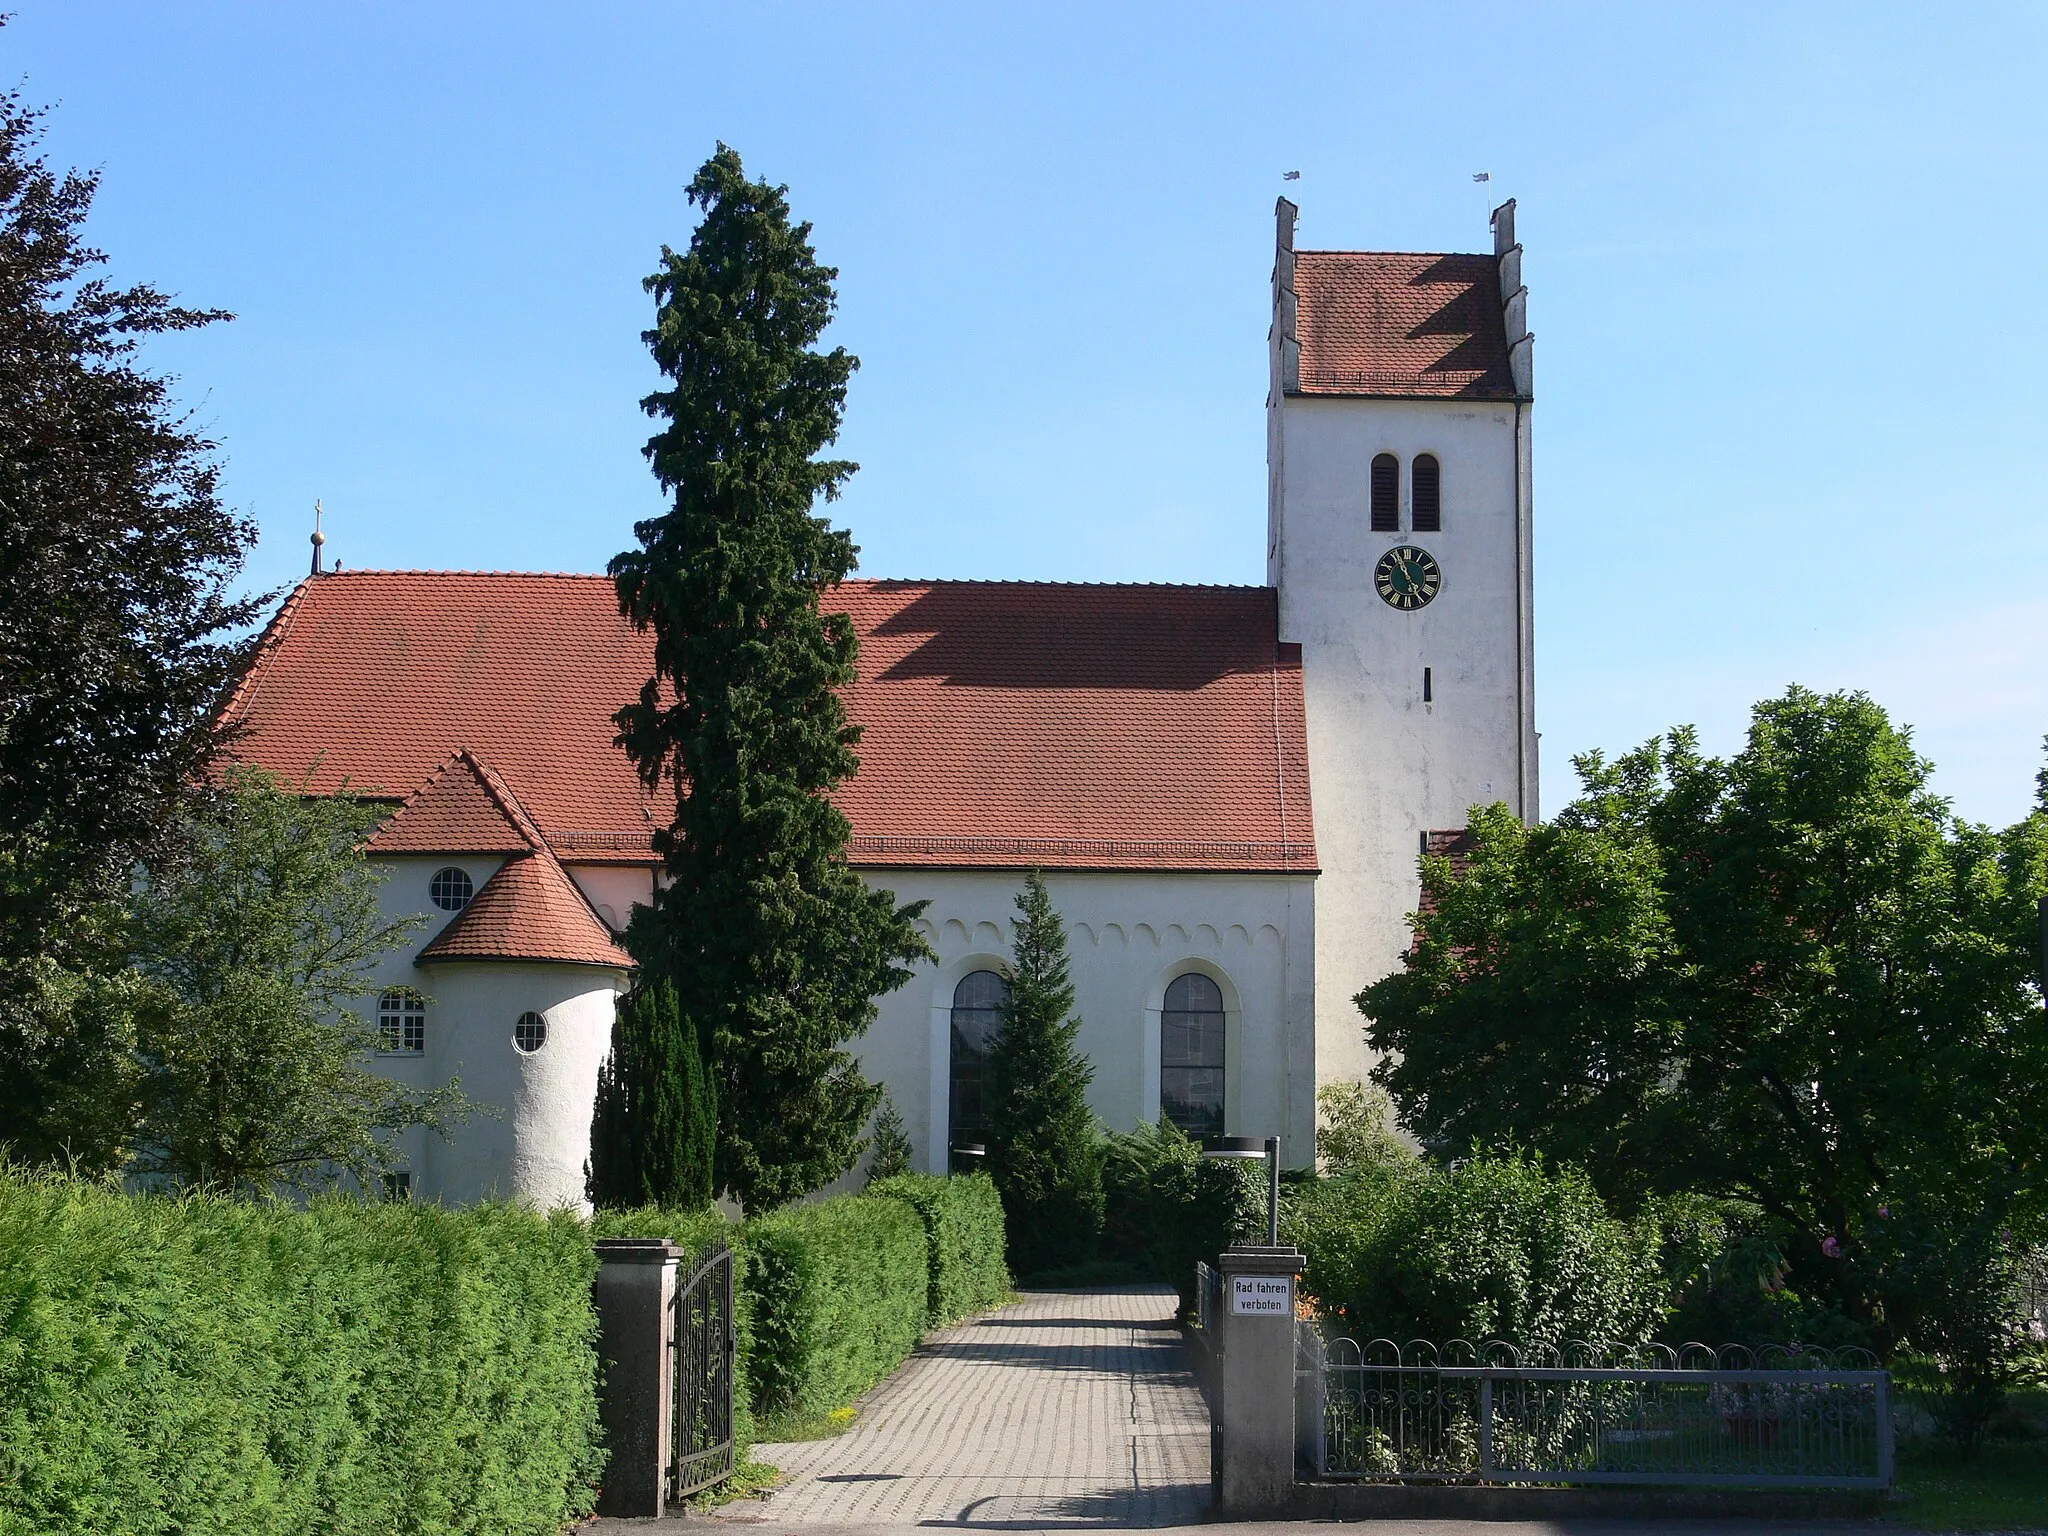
(1489, 1413)
(1208, 1294)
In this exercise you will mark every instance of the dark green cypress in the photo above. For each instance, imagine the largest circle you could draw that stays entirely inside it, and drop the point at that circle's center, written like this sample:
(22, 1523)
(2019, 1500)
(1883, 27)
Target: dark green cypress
(776, 947)
(1045, 1149)
(654, 1128)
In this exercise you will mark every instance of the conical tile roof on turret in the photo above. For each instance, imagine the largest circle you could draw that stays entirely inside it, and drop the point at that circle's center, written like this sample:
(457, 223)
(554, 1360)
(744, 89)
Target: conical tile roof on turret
(530, 909)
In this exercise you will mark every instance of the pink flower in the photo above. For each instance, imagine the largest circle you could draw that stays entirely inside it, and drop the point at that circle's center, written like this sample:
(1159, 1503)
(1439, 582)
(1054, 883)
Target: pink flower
(1830, 1247)
(1884, 1212)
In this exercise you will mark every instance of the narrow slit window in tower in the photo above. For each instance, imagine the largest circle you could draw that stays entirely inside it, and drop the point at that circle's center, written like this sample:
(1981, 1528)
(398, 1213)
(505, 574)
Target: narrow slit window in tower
(1386, 494)
(1427, 476)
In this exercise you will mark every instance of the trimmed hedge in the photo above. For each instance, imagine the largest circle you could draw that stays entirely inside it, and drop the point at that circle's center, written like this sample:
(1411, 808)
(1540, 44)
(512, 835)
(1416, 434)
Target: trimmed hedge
(963, 1232)
(838, 1302)
(203, 1364)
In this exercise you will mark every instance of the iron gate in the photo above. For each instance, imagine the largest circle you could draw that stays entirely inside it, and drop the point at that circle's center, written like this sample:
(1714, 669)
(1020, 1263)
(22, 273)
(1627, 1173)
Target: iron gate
(702, 1344)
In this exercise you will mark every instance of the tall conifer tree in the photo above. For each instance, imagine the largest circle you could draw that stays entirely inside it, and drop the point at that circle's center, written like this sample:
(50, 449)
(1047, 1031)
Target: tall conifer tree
(777, 949)
(653, 1130)
(1044, 1148)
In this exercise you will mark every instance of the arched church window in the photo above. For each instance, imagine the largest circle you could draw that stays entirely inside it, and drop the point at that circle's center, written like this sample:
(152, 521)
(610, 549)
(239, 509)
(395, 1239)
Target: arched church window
(1191, 1055)
(977, 1019)
(1386, 494)
(401, 1021)
(1426, 476)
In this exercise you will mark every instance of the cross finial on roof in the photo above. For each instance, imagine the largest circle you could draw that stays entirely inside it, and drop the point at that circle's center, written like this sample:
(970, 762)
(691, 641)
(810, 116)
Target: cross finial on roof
(319, 538)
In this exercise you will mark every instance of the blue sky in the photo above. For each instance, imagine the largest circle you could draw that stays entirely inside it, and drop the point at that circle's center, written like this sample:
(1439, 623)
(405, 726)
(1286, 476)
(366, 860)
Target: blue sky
(1786, 270)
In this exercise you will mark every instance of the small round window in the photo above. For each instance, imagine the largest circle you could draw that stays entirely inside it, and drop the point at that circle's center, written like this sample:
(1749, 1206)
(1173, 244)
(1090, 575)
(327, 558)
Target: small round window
(530, 1033)
(450, 889)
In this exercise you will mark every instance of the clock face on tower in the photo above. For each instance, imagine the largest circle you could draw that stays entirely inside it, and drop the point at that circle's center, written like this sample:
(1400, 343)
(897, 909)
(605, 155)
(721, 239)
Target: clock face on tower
(1407, 577)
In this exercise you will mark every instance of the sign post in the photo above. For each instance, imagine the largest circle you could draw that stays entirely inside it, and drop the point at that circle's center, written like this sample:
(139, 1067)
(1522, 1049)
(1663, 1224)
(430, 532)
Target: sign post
(1255, 1406)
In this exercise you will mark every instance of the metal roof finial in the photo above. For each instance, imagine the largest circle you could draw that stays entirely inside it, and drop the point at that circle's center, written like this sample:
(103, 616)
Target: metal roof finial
(319, 538)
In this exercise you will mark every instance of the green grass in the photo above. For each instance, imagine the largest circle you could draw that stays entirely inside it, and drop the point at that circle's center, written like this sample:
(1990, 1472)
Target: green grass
(790, 1428)
(2003, 1488)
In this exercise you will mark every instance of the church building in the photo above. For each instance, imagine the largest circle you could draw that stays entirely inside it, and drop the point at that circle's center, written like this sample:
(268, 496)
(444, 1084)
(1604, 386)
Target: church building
(1226, 787)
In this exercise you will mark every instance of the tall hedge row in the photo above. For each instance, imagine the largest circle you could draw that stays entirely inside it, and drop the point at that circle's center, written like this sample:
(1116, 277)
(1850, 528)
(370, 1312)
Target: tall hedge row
(963, 1232)
(202, 1364)
(839, 1293)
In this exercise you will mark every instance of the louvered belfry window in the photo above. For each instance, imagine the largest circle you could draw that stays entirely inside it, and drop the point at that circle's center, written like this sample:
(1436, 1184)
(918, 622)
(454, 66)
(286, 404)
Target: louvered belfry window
(1386, 494)
(1426, 477)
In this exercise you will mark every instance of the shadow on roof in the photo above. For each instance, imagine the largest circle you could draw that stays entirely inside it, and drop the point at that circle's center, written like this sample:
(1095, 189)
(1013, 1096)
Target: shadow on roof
(1047, 636)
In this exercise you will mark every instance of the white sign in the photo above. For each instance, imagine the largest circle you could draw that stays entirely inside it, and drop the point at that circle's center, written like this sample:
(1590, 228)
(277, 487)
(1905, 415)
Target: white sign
(1262, 1295)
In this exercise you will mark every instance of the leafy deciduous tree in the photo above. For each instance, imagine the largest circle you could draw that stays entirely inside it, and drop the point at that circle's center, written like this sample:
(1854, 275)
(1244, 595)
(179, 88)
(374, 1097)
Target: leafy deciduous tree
(255, 935)
(116, 637)
(776, 947)
(1791, 978)
(115, 559)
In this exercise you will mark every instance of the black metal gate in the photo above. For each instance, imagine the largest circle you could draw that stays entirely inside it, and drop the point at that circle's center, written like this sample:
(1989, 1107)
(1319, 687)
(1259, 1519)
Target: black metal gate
(701, 1364)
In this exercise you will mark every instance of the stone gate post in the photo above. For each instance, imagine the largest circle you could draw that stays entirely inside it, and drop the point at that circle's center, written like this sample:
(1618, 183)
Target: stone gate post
(1255, 1396)
(634, 1295)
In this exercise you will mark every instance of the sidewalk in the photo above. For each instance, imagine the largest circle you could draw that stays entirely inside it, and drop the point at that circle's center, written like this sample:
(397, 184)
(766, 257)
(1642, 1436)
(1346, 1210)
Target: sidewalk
(1072, 1408)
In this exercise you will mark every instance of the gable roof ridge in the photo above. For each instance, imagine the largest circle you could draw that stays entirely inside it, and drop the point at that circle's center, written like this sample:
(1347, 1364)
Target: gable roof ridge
(268, 644)
(480, 780)
(506, 801)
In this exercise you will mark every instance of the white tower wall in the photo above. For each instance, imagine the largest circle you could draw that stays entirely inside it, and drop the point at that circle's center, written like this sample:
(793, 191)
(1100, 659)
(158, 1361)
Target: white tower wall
(1388, 764)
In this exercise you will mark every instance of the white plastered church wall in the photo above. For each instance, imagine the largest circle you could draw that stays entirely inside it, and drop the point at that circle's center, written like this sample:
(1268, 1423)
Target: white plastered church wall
(1128, 935)
(533, 1143)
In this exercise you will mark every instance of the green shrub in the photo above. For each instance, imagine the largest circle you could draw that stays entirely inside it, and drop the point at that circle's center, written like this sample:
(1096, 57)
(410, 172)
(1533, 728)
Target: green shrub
(1500, 1247)
(838, 1298)
(1167, 1207)
(963, 1231)
(203, 1364)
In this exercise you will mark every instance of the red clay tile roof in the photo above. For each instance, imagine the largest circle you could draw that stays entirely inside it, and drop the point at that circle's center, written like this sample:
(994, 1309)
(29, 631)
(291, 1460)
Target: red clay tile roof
(461, 809)
(1008, 724)
(529, 910)
(1454, 844)
(1392, 323)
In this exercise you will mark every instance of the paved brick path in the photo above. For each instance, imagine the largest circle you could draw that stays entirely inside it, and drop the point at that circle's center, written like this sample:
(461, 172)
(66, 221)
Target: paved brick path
(1070, 1408)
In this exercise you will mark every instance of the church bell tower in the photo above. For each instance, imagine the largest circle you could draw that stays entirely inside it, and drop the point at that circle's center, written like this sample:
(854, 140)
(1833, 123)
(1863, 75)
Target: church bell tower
(1398, 534)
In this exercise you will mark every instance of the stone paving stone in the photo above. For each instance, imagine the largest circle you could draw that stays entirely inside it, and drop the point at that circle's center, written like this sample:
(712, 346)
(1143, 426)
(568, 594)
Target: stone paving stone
(1069, 1408)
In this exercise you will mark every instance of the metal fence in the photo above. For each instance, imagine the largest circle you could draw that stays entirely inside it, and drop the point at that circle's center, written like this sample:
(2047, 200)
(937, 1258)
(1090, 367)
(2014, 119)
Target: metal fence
(1775, 1418)
(1208, 1300)
(704, 1342)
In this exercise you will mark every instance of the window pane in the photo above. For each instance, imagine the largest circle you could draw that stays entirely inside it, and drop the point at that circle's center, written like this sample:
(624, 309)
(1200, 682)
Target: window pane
(1191, 1039)
(1192, 1098)
(977, 1019)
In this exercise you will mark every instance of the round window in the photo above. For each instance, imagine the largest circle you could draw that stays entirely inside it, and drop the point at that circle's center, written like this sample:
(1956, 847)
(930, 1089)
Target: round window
(450, 889)
(530, 1033)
